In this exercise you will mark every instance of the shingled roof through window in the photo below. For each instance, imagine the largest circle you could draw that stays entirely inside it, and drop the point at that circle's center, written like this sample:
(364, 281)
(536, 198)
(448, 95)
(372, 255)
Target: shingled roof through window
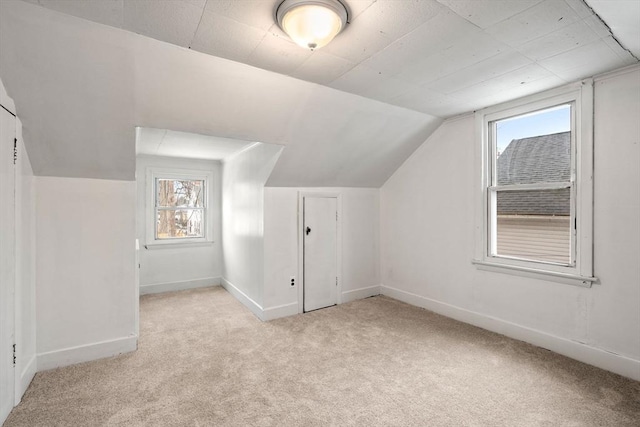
(544, 158)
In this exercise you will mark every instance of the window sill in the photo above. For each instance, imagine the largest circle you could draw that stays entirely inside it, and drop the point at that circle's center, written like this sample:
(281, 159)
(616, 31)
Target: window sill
(177, 245)
(516, 270)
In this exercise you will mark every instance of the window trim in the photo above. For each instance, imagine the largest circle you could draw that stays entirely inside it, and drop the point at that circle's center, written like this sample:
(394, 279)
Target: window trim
(581, 95)
(155, 173)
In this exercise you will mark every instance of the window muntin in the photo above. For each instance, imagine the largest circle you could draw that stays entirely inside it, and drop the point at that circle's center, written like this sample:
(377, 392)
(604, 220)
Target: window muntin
(530, 198)
(179, 208)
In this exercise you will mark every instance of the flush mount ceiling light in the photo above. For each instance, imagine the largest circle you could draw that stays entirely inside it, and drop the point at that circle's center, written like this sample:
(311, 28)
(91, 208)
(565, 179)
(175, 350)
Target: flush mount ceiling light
(312, 23)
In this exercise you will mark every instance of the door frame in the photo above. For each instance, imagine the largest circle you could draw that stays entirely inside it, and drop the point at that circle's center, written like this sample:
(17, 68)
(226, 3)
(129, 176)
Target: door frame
(322, 194)
(18, 279)
(12, 274)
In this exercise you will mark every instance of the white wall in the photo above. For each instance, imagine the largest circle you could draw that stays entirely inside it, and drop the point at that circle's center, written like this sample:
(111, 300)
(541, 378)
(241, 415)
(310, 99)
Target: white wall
(427, 242)
(85, 272)
(360, 246)
(169, 267)
(26, 365)
(244, 176)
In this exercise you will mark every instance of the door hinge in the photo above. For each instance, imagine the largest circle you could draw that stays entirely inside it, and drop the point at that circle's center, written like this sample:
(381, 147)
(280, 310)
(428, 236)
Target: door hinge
(15, 150)
(336, 281)
(14, 355)
(336, 216)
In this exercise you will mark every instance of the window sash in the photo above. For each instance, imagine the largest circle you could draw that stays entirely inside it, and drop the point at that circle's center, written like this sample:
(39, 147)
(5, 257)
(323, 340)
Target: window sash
(165, 209)
(492, 188)
(201, 199)
(492, 222)
(157, 208)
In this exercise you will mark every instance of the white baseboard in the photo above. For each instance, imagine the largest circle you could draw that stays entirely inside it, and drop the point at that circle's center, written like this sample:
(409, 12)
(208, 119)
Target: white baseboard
(360, 293)
(600, 358)
(157, 288)
(86, 353)
(264, 314)
(27, 374)
(291, 309)
(279, 311)
(253, 306)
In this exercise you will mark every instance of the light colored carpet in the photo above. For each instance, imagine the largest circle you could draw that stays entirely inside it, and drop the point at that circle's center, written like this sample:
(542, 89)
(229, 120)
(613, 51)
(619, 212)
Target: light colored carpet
(205, 360)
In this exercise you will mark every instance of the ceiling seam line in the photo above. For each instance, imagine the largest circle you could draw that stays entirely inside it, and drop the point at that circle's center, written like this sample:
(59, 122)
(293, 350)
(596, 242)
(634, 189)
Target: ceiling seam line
(195, 33)
(610, 31)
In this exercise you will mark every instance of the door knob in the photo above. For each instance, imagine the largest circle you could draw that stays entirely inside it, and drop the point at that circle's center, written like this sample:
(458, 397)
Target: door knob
(308, 231)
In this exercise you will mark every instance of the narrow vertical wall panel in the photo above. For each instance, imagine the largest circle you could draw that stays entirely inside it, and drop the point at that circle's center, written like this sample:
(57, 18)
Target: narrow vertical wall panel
(244, 177)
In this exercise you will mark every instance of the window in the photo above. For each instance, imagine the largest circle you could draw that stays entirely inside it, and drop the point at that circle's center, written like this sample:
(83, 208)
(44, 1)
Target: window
(530, 192)
(536, 200)
(178, 206)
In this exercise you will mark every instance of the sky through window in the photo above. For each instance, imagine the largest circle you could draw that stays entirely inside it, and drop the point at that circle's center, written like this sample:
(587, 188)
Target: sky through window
(545, 122)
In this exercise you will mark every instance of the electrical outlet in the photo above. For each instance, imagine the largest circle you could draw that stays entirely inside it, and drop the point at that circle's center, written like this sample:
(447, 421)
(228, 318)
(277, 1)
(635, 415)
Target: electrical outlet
(293, 281)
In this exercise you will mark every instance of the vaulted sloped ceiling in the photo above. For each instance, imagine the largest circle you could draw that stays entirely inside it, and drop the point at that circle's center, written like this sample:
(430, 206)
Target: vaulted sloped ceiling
(441, 57)
(349, 114)
(81, 88)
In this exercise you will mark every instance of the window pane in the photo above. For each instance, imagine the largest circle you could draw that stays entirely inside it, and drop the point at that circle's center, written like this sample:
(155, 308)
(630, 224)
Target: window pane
(180, 193)
(534, 148)
(534, 225)
(179, 223)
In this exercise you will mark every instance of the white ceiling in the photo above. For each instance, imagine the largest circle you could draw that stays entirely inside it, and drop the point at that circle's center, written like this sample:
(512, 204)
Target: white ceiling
(623, 17)
(168, 143)
(440, 57)
(81, 88)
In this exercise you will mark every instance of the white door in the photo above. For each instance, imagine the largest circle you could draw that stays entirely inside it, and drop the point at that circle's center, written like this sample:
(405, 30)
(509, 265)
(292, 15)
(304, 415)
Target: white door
(320, 252)
(7, 262)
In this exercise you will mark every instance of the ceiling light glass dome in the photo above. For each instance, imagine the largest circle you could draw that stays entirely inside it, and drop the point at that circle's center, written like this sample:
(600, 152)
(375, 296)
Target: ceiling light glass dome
(311, 24)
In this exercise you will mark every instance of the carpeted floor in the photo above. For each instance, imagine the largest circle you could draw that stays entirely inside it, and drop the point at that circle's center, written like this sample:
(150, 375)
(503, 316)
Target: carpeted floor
(204, 360)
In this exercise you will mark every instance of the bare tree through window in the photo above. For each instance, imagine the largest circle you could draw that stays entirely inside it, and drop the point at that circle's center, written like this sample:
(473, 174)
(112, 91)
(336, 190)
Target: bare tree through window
(179, 208)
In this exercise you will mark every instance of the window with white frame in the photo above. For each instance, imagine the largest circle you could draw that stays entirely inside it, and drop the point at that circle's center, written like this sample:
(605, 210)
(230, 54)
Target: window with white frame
(537, 185)
(178, 206)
